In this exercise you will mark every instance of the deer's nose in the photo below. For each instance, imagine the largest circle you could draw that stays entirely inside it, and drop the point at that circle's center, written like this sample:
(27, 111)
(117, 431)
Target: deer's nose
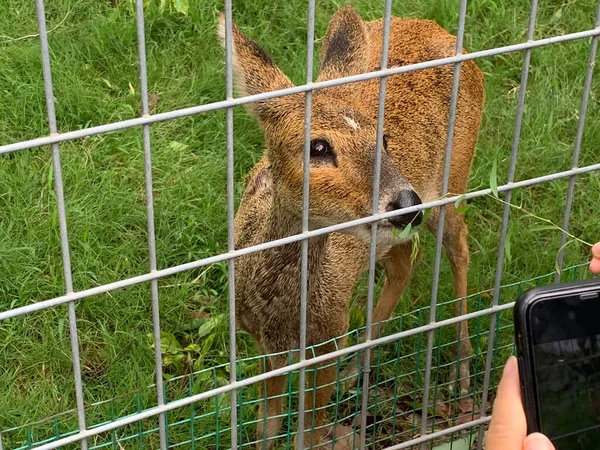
(405, 199)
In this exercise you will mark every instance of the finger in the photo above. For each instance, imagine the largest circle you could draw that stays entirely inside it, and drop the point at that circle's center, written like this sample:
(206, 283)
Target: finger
(595, 265)
(596, 250)
(508, 427)
(537, 441)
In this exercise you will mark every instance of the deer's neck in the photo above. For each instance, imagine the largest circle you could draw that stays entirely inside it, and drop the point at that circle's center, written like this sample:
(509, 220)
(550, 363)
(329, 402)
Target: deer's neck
(282, 224)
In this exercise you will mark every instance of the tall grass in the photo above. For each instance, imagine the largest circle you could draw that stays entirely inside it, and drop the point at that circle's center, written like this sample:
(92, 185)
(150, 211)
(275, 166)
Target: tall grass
(95, 71)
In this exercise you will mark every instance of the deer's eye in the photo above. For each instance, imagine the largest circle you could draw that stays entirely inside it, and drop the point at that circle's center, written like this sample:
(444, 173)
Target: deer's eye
(320, 148)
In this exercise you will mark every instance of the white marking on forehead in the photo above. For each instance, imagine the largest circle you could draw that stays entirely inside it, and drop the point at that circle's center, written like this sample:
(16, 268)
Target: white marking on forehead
(352, 122)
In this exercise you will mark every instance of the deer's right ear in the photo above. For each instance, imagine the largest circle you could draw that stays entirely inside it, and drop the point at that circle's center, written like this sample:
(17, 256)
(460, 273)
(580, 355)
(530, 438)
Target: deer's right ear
(345, 49)
(254, 72)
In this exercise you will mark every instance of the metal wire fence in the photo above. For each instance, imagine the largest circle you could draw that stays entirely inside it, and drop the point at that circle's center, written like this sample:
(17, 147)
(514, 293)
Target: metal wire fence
(214, 407)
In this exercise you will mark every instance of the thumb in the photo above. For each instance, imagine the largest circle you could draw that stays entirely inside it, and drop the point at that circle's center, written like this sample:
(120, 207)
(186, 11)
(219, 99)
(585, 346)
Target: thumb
(508, 427)
(595, 264)
(537, 441)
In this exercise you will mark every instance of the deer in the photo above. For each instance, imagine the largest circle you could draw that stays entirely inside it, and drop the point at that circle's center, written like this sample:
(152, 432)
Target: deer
(342, 153)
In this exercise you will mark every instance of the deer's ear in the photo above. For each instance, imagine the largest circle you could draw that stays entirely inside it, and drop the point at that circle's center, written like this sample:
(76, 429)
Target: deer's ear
(345, 48)
(254, 72)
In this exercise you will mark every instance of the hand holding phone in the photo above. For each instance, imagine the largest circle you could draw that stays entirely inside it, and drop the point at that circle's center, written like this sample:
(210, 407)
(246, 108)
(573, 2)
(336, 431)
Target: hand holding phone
(557, 330)
(508, 429)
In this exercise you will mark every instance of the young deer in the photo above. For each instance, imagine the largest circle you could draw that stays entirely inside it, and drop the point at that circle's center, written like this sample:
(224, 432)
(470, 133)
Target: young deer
(342, 152)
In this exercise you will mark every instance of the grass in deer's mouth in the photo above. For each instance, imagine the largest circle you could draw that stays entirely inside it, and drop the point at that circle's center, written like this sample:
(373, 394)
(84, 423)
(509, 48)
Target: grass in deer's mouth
(94, 66)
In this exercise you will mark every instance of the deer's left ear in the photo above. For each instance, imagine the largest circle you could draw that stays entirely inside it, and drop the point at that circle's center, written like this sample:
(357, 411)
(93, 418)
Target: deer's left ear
(345, 48)
(253, 71)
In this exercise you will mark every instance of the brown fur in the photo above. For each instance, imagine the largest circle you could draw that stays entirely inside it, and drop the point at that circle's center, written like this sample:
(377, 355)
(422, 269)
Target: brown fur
(416, 117)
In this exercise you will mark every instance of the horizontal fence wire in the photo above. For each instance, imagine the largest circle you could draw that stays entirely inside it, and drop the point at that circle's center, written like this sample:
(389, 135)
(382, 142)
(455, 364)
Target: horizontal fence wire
(171, 406)
(431, 316)
(185, 112)
(96, 429)
(45, 304)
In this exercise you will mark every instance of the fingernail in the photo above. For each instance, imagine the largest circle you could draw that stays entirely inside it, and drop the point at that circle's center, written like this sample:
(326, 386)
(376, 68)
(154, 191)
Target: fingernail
(511, 368)
(537, 441)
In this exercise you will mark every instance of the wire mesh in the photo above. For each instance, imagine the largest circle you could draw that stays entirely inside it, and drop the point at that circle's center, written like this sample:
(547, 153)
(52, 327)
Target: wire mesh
(403, 397)
(395, 393)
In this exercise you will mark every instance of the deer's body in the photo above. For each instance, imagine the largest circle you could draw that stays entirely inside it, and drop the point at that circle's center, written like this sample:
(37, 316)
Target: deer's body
(344, 117)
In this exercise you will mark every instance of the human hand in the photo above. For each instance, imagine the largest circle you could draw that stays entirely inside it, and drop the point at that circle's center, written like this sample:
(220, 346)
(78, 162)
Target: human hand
(508, 429)
(595, 264)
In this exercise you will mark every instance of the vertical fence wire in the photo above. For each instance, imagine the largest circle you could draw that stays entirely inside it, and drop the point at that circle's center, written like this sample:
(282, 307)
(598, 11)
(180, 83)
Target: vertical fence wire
(230, 218)
(64, 241)
(62, 217)
(310, 42)
(576, 151)
(160, 395)
(505, 218)
(375, 209)
(442, 215)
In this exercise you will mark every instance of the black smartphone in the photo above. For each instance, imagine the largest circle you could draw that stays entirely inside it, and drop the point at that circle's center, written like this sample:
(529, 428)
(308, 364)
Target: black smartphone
(557, 332)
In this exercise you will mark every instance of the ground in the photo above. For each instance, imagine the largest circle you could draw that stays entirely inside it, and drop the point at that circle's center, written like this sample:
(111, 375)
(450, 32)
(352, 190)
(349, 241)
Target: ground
(95, 70)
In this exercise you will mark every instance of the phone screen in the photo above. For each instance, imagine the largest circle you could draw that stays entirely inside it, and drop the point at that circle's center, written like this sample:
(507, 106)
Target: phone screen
(566, 352)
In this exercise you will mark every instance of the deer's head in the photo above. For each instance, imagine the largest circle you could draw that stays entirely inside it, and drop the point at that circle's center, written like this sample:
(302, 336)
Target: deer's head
(343, 135)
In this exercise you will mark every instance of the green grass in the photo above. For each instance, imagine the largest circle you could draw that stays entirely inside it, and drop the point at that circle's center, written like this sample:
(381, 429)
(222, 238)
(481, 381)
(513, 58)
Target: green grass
(94, 66)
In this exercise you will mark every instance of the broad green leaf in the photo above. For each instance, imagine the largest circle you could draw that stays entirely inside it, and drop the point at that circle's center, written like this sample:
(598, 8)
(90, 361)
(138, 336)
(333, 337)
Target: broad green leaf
(463, 209)
(202, 381)
(224, 400)
(207, 344)
(426, 215)
(181, 6)
(192, 348)
(169, 343)
(461, 204)
(459, 200)
(199, 365)
(174, 361)
(178, 146)
(208, 326)
(222, 381)
(109, 84)
(205, 375)
(494, 178)
(557, 15)
(406, 231)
